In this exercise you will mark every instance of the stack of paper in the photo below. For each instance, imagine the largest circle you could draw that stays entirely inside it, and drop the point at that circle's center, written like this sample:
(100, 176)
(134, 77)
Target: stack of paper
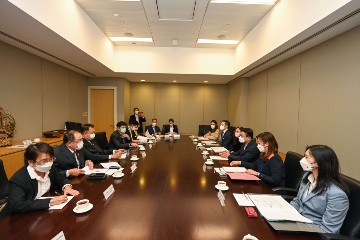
(234, 169)
(217, 158)
(219, 149)
(202, 138)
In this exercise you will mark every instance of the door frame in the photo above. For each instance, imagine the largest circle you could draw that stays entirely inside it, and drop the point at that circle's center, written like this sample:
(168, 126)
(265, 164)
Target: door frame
(115, 101)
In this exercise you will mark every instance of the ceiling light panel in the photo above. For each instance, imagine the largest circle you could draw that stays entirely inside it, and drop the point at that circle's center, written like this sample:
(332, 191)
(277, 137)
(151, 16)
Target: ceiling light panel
(175, 10)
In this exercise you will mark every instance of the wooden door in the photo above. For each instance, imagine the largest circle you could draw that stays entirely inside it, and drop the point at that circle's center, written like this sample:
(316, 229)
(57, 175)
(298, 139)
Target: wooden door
(102, 110)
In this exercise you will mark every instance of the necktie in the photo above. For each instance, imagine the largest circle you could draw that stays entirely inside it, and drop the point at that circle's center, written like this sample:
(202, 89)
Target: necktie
(154, 130)
(77, 161)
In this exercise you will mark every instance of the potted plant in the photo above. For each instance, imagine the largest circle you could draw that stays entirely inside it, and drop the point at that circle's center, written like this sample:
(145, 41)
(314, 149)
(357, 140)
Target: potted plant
(7, 128)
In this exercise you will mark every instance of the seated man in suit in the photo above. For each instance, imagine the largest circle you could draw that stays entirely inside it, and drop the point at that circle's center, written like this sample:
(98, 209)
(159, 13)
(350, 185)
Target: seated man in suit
(119, 139)
(92, 150)
(171, 128)
(248, 151)
(226, 138)
(70, 156)
(138, 117)
(133, 131)
(35, 179)
(153, 129)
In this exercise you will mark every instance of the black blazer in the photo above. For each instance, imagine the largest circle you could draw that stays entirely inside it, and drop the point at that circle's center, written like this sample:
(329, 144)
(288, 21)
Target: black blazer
(95, 153)
(141, 120)
(23, 190)
(118, 142)
(249, 154)
(151, 130)
(167, 129)
(271, 172)
(227, 140)
(65, 159)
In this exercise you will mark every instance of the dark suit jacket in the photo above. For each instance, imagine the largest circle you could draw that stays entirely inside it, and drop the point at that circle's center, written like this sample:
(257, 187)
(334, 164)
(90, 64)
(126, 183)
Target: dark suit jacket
(95, 153)
(271, 172)
(151, 130)
(167, 129)
(118, 142)
(141, 120)
(23, 190)
(227, 140)
(249, 154)
(65, 159)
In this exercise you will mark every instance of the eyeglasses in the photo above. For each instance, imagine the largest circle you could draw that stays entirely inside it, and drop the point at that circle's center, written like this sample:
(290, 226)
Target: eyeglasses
(43, 161)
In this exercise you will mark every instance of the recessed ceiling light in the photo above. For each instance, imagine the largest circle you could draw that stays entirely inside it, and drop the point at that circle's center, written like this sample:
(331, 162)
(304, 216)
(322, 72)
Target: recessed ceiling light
(205, 81)
(142, 80)
(217, 41)
(271, 2)
(130, 39)
(174, 80)
(116, 15)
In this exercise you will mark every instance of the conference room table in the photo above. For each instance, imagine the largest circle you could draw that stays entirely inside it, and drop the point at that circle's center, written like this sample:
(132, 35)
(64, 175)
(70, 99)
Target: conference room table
(171, 195)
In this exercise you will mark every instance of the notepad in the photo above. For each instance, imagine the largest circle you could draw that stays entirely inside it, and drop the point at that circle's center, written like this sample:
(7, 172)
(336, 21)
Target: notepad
(243, 200)
(95, 170)
(59, 206)
(110, 164)
(242, 176)
(219, 149)
(234, 169)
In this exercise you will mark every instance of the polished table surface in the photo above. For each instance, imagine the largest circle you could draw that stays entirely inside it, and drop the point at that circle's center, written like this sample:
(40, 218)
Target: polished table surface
(171, 195)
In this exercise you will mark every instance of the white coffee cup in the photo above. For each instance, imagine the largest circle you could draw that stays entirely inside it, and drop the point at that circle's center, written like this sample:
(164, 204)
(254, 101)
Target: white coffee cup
(82, 204)
(134, 156)
(221, 184)
(37, 140)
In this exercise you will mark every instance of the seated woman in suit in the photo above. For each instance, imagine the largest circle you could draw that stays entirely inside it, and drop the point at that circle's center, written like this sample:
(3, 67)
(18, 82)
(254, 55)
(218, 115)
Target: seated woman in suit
(35, 179)
(269, 167)
(322, 196)
(214, 132)
(171, 128)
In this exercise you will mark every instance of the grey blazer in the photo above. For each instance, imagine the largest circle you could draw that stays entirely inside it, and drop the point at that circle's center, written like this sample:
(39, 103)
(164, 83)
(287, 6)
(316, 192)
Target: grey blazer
(327, 210)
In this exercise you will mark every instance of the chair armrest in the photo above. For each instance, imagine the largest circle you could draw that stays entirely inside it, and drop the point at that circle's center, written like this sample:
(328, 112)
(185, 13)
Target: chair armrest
(330, 236)
(285, 189)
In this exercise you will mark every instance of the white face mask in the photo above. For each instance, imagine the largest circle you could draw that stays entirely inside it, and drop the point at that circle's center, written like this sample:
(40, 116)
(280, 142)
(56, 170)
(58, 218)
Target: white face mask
(154, 124)
(92, 136)
(261, 148)
(80, 145)
(241, 139)
(171, 124)
(237, 134)
(43, 168)
(134, 128)
(306, 166)
(136, 112)
(212, 126)
(222, 127)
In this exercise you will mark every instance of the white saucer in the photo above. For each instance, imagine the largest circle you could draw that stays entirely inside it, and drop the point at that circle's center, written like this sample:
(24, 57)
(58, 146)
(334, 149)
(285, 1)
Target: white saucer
(119, 175)
(209, 163)
(83, 211)
(195, 140)
(150, 142)
(142, 149)
(222, 188)
(134, 159)
(205, 153)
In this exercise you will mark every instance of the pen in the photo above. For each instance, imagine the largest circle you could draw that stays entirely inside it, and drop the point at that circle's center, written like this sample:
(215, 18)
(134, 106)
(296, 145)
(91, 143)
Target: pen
(245, 196)
(57, 193)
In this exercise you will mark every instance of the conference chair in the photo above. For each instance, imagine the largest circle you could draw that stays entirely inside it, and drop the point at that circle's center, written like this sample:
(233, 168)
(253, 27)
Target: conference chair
(163, 128)
(351, 226)
(203, 129)
(293, 176)
(101, 139)
(4, 191)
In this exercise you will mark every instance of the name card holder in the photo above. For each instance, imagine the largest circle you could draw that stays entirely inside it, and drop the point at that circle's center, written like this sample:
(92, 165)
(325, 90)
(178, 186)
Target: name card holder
(133, 168)
(221, 198)
(110, 190)
(59, 236)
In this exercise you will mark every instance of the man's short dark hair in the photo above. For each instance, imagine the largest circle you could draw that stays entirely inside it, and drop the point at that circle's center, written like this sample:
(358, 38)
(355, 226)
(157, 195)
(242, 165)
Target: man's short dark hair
(69, 136)
(121, 123)
(134, 122)
(154, 119)
(227, 123)
(136, 108)
(248, 132)
(86, 127)
(171, 120)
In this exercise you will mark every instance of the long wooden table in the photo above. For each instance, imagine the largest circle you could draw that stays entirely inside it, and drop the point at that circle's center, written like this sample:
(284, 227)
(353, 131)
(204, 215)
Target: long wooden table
(171, 195)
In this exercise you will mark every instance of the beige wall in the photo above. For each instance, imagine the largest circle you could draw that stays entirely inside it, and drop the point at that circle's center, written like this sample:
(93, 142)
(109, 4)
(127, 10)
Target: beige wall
(189, 104)
(38, 93)
(238, 102)
(312, 98)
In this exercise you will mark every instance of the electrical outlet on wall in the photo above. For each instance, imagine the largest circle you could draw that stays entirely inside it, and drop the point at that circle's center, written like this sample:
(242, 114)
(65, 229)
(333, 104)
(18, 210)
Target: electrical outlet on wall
(84, 114)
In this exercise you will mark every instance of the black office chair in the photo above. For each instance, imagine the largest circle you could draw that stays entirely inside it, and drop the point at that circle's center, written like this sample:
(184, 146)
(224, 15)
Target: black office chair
(203, 129)
(4, 191)
(101, 139)
(351, 226)
(293, 176)
(163, 128)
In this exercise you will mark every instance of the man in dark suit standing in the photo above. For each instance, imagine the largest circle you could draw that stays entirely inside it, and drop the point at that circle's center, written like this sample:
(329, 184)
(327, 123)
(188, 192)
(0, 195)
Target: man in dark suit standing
(171, 128)
(248, 152)
(226, 135)
(92, 150)
(153, 129)
(120, 138)
(138, 117)
(70, 156)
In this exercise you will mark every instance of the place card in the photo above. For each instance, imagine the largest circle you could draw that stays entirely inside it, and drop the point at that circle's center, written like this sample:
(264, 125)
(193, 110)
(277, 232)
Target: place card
(133, 168)
(110, 190)
(221, 198)
(59, 236)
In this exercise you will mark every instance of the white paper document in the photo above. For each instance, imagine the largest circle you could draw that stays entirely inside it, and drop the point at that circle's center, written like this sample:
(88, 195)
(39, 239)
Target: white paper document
(123, 156)
(276, 208)
(234, 169)
(59, 206)
(95, 170)
(243, 200)
(110, 164)
(217, 158)
(17, 146)
(219, 149)
(202, 138)
(111, 171)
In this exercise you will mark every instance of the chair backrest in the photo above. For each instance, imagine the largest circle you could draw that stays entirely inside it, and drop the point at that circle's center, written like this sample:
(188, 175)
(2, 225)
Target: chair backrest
(4, 182)
(163, 128)
(203, 129)
(351, 225)
(101, 139)
(293, 170)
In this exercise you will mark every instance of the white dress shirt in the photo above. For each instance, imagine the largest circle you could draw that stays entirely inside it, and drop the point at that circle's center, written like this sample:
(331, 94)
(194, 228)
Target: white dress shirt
(43, 183)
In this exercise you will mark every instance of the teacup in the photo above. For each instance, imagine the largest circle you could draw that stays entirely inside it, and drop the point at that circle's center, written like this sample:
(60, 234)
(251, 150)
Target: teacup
(221, 184)
(82, 204)
(117, 173)
(210, 161)
(37, 140)
(134, 157)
